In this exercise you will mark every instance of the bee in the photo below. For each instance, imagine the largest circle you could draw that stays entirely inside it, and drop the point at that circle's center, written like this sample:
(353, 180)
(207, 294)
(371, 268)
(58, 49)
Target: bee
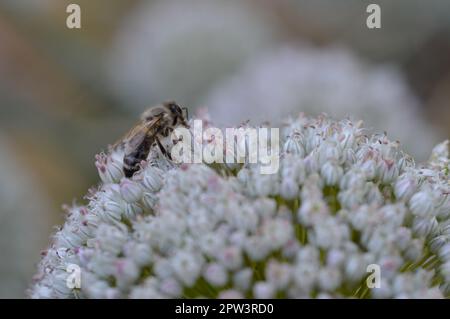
(156, 123)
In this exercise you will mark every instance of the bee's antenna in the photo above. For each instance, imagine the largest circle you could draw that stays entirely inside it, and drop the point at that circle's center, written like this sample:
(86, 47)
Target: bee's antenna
(184, 108)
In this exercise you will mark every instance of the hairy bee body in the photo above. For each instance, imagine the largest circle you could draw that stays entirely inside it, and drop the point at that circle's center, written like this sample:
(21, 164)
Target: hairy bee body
(132, 158)
(156, 123)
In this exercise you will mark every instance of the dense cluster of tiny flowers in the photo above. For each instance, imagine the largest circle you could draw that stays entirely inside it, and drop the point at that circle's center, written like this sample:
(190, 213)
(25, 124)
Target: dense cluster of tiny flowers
(341, 201)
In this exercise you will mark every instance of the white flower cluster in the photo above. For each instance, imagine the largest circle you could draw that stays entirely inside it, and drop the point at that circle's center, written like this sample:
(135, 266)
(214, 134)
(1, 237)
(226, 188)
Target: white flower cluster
(342, 200)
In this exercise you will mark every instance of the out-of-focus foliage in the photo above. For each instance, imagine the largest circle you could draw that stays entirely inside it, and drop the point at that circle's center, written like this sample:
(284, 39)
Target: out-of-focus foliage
(406, 24)
(331, 80)
(178, 49)
(25, 216)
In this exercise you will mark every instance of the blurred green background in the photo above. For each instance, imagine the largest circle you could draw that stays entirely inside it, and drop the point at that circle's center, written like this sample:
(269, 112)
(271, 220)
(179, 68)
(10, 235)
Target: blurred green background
(65, 94)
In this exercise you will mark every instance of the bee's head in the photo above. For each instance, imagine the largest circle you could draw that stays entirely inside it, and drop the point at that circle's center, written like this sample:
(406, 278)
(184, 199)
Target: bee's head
(179, 113)
(174, 108)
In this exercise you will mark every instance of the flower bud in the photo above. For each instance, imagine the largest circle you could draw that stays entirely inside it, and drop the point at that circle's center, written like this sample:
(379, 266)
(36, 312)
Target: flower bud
(130, 190)
(332, 173)
(405, 186)
(110, 167)
(421, 203)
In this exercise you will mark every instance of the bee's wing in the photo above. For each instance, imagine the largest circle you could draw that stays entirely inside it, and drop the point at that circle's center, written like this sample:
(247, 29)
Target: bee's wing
(133, 138)
(126, 137)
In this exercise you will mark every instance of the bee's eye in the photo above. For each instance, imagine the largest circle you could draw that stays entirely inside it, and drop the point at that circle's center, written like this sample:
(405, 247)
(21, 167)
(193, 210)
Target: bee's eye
(174, 108)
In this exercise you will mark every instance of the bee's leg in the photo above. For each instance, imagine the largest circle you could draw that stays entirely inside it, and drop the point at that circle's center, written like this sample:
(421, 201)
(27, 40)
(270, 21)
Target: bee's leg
(163, 150)
(167, 131)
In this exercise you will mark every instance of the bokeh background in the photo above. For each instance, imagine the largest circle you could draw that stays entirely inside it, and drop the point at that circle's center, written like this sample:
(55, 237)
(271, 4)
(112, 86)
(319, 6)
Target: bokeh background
(66, 94)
